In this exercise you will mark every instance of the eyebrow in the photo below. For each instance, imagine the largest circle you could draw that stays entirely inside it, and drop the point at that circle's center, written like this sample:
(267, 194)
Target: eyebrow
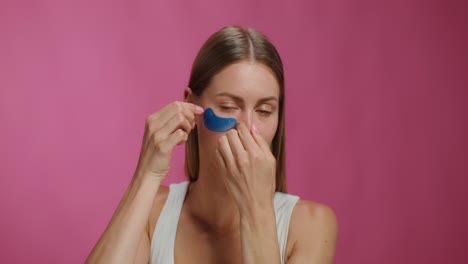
(240, 99)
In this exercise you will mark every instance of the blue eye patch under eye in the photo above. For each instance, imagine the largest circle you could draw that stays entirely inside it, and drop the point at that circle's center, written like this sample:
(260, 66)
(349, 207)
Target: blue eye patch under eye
(216, 123)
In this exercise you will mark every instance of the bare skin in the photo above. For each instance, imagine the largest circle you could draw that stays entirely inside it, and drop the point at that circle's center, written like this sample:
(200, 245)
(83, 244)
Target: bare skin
(228, 214)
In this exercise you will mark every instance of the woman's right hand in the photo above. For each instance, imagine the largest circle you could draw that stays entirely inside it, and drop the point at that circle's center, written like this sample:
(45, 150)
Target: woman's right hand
(164, 130)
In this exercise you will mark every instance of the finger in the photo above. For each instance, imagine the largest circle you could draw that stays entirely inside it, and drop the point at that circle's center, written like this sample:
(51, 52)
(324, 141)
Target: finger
(179, 121)
(236, 145)
(192, 108)
(174, 108)
(220, 159)
(166, 113)
(260, 140)
(247, 139)
(226, 153)
(178, 106)
(227, 179)
(177, 137)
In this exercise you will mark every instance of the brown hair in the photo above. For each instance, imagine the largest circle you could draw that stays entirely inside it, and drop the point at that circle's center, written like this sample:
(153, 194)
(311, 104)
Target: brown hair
(225, 47)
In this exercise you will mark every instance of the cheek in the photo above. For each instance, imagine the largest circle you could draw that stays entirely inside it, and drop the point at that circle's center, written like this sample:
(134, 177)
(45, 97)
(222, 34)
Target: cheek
(268, 130)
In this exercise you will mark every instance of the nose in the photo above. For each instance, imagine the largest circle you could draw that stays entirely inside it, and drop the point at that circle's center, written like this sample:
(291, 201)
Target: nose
(246, 117)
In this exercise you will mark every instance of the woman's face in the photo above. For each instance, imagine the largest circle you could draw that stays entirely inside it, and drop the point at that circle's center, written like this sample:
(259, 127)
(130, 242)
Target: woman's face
(245, 91)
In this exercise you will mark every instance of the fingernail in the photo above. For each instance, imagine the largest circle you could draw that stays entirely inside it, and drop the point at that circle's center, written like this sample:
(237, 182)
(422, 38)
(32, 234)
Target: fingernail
(199, 109)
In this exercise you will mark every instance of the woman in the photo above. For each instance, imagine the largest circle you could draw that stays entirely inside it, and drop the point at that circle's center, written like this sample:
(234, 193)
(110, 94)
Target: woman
(235, 208)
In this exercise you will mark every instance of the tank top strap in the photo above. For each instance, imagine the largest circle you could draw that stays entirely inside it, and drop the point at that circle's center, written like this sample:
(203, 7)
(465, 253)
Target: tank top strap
(164, 235)
(284, 205)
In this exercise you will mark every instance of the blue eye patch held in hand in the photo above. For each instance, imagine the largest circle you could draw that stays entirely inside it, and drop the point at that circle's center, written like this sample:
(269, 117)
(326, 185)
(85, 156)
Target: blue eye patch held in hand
(216, 123)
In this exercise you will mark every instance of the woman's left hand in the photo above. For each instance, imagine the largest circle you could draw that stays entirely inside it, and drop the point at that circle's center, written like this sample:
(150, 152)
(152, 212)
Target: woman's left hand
(250, 168)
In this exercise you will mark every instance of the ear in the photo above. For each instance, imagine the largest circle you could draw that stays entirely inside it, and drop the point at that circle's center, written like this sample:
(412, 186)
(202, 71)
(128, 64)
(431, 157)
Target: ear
(190, 97)
(188, 94)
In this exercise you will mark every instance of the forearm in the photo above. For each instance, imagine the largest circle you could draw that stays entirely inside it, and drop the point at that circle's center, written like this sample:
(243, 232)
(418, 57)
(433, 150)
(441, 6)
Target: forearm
(259, 236)
(119, 242)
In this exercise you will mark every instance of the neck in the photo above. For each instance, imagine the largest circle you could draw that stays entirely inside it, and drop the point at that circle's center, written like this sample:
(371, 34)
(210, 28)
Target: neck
(209, 203)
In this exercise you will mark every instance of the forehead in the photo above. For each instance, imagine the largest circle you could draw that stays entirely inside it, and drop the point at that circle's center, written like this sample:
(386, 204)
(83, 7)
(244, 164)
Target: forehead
(245, 79)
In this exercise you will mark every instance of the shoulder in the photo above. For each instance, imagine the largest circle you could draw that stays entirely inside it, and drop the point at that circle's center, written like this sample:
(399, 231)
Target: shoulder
(158, 204)
(312, 233)
(314, 214)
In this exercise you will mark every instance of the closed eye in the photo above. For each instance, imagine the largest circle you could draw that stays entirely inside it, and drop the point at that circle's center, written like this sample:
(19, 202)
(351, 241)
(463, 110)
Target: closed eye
(264, 112)
(228, 108)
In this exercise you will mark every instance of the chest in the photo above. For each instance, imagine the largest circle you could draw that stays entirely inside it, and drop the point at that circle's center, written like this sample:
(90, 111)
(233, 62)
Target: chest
(194, 245)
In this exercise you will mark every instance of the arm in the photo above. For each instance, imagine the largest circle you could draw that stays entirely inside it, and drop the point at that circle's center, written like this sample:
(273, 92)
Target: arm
(124, 239)
(250, 179)
(125, 233)
(259, 238)
(315, 229)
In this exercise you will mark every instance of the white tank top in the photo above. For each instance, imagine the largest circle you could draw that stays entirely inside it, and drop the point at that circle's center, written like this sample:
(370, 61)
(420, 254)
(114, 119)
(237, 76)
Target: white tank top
(162, 243)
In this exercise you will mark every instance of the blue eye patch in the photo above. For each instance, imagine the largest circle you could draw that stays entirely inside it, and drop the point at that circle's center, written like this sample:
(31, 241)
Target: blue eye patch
(216, 123)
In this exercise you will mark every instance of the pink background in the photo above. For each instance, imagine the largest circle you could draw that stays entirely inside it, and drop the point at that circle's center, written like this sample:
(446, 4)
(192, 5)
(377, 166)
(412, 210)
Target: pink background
(376, 116)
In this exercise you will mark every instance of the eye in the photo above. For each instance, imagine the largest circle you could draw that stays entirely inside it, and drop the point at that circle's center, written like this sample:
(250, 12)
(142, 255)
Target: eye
(264, 112)
(227, 108)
